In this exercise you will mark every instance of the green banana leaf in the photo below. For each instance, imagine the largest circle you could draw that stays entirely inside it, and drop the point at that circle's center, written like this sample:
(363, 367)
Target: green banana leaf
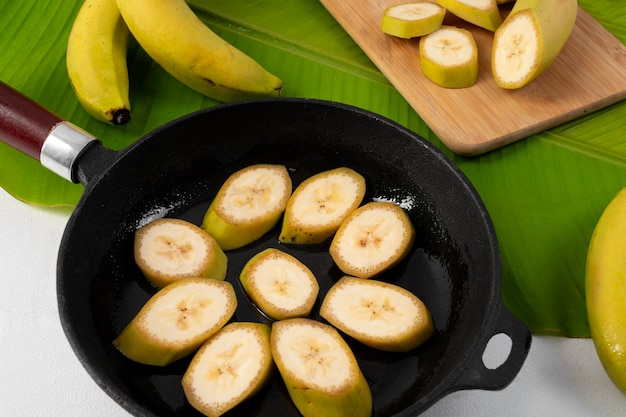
(544, 193)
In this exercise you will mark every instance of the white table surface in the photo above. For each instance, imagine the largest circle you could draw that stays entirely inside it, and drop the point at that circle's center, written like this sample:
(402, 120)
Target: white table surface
(40, 376)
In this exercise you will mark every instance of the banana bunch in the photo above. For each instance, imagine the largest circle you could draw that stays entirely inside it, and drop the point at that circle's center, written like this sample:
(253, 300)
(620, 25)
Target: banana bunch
(171, 33)
(525, 43)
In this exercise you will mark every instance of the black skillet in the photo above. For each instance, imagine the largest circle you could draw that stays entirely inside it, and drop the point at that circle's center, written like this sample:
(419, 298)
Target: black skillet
(174, 171)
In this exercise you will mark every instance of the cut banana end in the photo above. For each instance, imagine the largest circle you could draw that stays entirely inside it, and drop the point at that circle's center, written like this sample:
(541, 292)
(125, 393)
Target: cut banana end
(248, 205)
(530, 39)
(320, 371)
(372, 239)
(230, 367)
(482, 13)
(177, 320)
(515, 54)
(412, 20)
(167, 250)
(378, 314)
(280, 285)
(449, 57)
(320, 204)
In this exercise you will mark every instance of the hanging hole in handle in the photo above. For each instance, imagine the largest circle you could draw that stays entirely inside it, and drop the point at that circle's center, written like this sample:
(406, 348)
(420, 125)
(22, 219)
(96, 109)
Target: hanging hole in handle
(497, 351)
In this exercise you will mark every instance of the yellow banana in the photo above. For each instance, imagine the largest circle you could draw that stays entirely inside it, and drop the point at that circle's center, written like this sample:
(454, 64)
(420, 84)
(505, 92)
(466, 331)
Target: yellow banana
(96, 61)
(171, 33)
(605, 288)
(482, 13)
(530, 39)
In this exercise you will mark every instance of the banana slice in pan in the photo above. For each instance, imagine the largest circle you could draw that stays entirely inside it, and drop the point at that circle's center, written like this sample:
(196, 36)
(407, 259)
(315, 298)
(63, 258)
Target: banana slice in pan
(373, 238)
(320, 204)
(279, 284)
(167, 250)
(320, 371)
(231, 366)
(248, 205)
(177, 320)
(378, 314)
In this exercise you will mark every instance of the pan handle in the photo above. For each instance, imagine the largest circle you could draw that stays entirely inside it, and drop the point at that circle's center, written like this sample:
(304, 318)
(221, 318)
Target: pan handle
(478, 376)
(39, 133)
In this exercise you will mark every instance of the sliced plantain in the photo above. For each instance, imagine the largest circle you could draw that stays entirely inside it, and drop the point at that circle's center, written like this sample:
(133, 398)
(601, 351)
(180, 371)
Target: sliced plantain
(449, 57)
(248, 205)
(320, 371)
(279, 284)
(230, 367)
(319, 205)
(372, 239)
(167, 250)
(530, 39)
(177, 320)
(378, 314)
(411, 20)
(482, 13)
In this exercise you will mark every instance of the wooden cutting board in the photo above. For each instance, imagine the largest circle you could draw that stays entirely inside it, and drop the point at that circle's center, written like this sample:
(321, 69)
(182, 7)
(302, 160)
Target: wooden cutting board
(588, 74)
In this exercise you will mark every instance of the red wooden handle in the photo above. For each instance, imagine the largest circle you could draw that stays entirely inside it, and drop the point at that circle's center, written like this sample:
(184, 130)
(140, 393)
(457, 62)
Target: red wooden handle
(24, 124)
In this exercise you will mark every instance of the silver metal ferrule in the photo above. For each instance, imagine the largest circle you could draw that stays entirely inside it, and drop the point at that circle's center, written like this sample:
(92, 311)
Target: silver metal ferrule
(61, 148)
